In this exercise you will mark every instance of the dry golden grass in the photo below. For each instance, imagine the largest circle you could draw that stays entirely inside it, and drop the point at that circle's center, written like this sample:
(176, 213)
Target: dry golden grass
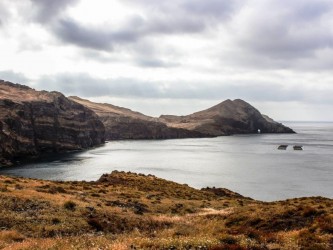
(124, 210)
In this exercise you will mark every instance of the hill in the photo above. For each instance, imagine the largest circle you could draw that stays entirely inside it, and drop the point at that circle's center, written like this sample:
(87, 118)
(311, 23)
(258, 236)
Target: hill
(135, 211)
(226, 118)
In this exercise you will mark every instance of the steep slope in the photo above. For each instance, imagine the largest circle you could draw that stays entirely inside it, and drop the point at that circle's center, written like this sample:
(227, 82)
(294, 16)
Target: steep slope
(33, 122)
(228, 117)
(122, 123)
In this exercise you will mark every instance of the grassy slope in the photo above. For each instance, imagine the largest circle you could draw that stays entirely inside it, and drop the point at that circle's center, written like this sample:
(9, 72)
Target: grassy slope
(125, 210)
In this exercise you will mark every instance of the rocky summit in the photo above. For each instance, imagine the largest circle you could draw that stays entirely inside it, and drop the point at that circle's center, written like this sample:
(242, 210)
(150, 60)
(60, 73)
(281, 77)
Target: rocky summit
(227, 118)
(35, 122)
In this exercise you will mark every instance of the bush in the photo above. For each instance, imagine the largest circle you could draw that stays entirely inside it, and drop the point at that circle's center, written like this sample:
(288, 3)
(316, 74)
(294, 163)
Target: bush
(309, 240)
(55, 221)
(229, 240)
(96, 224)
(309, 212)
(57, 189)
(70, 205)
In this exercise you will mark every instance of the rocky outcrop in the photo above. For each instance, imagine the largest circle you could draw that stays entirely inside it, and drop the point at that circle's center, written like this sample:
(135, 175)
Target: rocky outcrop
(226, 118)
(122, 123)
(35, 122)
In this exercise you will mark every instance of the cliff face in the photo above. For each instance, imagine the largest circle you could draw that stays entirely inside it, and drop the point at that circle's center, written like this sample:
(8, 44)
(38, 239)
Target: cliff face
(122, 123)
(228, 117)
(34, 122)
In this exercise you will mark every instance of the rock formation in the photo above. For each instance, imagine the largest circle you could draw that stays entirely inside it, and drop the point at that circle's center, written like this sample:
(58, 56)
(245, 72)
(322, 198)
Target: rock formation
(226, 118)
(122, 123)
(34, 122)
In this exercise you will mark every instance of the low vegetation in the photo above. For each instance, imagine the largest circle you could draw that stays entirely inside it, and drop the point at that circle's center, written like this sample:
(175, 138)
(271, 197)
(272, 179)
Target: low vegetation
(134, 211)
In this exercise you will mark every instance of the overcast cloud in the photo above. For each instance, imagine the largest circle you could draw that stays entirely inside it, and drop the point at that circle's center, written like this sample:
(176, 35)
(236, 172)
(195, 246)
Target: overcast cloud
(272, 53)
(46, 10)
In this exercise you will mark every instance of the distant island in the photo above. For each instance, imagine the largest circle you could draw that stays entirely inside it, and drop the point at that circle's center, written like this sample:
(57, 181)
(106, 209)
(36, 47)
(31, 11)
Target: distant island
(35, 122)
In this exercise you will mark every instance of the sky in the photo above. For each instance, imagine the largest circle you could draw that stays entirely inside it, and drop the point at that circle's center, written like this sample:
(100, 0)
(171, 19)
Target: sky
(175, 56)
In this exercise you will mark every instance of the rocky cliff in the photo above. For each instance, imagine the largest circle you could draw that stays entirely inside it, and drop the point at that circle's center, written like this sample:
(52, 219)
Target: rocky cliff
(122, 123)
(226, 118)
(34, 122)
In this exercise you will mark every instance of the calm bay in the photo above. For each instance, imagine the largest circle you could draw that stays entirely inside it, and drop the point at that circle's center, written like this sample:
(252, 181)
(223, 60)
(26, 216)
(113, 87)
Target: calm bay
(248, 164)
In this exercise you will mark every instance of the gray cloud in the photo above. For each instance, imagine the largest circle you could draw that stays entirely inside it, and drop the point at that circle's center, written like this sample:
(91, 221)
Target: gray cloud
(87, 86)
(220, 9)
(175, 25)
(310, 10)
(284, 32)
(256, 37)
(271, 33)
(186, 17)
(210, 8)
(71, 32)
(99, 56)
(154, 63)
(11, 76)
(267, 35)
(105, 38)
(46, 10)
(4, 14)
(141, 54)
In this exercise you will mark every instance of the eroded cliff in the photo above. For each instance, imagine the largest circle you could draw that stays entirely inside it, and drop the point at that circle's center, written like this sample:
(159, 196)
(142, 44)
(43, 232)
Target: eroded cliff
(34, 122)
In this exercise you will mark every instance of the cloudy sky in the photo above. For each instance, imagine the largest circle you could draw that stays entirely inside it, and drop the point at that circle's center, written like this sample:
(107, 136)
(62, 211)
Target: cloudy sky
(176, 56)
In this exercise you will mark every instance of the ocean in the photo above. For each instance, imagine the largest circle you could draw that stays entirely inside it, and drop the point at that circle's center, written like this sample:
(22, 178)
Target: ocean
(248, 164)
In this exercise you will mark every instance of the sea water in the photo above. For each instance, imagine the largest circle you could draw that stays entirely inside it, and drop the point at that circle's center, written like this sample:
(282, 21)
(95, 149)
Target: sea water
(248, 164)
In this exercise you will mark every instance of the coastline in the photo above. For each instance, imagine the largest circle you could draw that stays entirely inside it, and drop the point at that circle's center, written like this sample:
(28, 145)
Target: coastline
(229, 161)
